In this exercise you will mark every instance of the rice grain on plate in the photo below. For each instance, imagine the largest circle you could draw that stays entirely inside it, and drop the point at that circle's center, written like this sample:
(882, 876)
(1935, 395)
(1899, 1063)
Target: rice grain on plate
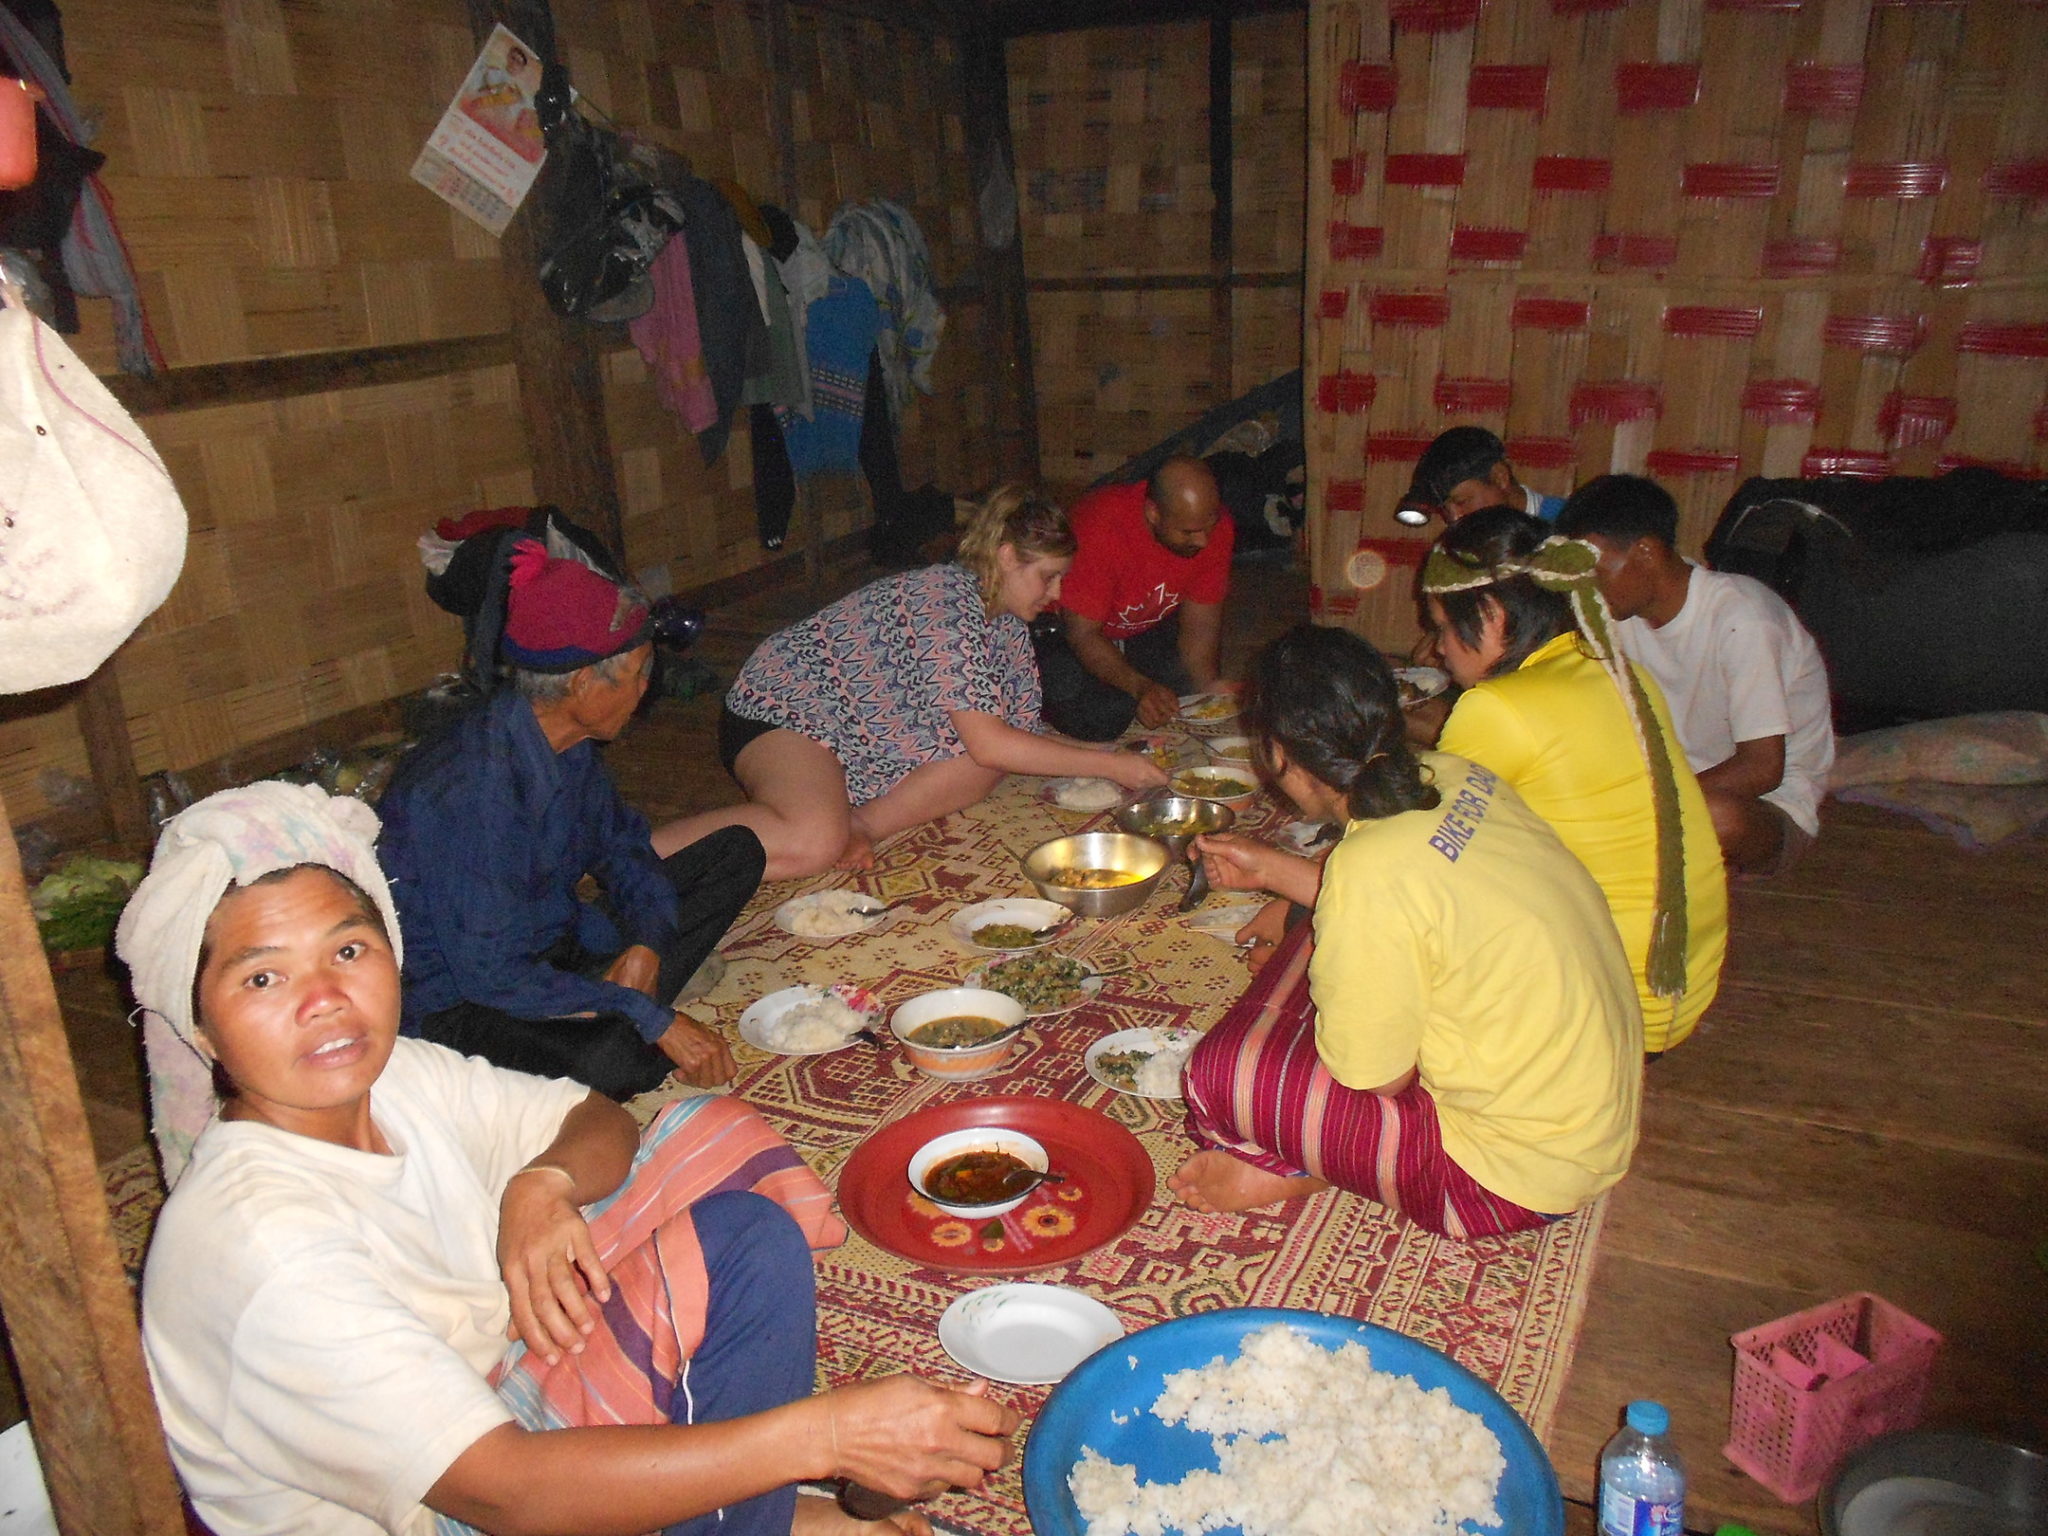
(1358, 1452)
(822, 1024)
(830, 914)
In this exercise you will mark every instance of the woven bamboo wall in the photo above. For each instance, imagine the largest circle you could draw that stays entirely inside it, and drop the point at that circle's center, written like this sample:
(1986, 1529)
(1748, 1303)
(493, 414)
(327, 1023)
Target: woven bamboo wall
(257, 159)
(1697, 239)
(1111, 130)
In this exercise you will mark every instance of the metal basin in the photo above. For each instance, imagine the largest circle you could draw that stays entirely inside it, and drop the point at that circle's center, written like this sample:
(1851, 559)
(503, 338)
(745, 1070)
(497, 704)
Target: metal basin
(1201, 815)
(1937, 1483)
(1145, 859)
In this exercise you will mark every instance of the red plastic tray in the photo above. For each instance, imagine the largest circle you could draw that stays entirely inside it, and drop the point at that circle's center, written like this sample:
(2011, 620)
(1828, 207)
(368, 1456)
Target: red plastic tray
(1109, 1184)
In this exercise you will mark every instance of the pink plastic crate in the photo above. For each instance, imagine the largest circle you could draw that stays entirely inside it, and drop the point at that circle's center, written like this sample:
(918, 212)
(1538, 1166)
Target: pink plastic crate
(1789, 1438)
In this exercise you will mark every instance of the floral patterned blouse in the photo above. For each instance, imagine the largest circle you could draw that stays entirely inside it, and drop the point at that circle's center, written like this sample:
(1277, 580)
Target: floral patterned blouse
(877, 675)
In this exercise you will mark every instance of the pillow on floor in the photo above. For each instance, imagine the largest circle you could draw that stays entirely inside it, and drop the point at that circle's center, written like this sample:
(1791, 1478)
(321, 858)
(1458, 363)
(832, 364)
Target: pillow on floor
(2009, 747)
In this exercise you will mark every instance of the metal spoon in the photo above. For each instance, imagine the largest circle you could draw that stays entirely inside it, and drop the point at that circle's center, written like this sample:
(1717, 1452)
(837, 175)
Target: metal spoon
(1031, 1179)
(878, 911)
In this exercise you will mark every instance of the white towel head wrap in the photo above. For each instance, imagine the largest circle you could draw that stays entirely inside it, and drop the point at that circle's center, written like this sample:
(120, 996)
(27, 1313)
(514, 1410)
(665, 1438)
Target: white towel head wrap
(232, 838)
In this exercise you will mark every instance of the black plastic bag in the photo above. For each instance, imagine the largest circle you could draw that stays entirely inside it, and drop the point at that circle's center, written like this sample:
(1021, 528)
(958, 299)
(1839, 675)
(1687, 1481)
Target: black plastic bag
(607, 222)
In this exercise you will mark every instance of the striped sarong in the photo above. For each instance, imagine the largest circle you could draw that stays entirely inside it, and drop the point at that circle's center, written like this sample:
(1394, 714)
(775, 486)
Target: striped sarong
(1257, 1089)
(654, 1322)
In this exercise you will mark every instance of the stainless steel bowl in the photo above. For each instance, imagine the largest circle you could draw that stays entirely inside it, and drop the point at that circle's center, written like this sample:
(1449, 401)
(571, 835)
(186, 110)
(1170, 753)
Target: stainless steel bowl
(1937, 1483)
(1206, 815)
(1146, 858)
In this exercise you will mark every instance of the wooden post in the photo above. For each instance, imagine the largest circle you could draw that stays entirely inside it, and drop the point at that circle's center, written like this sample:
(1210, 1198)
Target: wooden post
(1222, 224)
(985, 83)
(561, 384)
(70, 1313)
(103, 722)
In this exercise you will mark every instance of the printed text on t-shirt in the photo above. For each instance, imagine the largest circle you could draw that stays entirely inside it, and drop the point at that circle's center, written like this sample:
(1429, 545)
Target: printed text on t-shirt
(1466, 811)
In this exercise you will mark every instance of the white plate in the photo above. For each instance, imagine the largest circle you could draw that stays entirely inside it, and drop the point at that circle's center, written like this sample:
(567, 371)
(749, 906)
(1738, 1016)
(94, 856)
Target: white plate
(1051, 790)
(1089, 985)
(1028, 1335)
(765, 1011)
(1222, 921)
(1230, 750)
(1028, 911)
(796, 904)
(1207, 711)
(1427, 682)
(1137, 1040)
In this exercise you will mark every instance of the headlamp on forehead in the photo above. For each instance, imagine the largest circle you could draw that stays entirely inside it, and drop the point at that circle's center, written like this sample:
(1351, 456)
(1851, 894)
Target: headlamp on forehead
(1415, 513)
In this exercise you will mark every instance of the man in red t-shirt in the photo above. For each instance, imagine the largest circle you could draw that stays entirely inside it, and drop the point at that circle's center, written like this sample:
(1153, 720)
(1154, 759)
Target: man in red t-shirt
(1142, 605)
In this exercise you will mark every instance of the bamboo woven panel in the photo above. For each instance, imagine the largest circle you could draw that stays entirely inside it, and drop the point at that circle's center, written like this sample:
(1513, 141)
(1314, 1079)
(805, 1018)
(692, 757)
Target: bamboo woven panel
(257, 159)
(1701, 239)
(301, 595)
(1269, 122)
(1111, 130)
(1266, 335)
(1115, 372)
(42, 762)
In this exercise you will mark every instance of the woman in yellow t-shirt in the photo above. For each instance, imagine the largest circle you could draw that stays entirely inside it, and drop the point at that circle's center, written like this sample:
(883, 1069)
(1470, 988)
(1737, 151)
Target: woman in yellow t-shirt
(1585, 737)
(1461, 1041)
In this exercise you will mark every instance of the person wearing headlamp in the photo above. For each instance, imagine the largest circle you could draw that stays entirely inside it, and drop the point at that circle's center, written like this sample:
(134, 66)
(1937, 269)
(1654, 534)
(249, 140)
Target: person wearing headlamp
(1464, 470)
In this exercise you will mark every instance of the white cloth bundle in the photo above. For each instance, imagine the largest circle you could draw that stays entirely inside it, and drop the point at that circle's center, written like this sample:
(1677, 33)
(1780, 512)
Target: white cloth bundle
(92, 533)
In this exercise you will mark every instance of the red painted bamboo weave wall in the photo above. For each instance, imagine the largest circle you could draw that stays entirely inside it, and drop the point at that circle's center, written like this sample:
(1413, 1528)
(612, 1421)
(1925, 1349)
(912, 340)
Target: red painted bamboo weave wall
(1695, 239)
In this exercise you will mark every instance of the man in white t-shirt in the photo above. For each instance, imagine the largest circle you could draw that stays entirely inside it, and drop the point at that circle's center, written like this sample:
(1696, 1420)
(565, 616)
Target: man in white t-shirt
(1746, 684)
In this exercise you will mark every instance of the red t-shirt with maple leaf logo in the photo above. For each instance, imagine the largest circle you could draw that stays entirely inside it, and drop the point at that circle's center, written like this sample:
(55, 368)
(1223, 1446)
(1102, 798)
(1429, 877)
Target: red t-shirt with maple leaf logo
(1125, 579)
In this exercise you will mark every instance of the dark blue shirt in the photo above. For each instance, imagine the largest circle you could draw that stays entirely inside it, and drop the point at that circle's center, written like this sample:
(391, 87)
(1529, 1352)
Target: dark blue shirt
(487, 830)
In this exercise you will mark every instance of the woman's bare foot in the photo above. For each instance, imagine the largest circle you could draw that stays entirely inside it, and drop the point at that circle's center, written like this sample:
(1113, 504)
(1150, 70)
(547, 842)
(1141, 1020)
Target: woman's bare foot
(1218, 1183)
(859, 852)
(817, 1515)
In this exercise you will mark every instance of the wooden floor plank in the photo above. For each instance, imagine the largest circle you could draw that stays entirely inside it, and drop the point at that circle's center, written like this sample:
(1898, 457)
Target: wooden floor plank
(1665, 1336)
(1985, 983)
(1961, 1083)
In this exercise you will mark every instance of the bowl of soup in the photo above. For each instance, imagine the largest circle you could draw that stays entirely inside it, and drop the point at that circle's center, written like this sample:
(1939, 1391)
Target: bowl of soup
(958, 1033)
(1221, 782)
(967, 1173)
(1098, 874)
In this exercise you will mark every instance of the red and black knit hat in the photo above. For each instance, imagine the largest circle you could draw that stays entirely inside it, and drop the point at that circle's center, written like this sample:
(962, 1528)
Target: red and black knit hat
(561, 615)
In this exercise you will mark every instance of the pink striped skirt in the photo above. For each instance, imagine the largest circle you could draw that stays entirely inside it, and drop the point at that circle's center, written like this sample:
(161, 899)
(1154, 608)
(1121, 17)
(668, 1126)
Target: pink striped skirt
(1257, 1089)
(655, 1320)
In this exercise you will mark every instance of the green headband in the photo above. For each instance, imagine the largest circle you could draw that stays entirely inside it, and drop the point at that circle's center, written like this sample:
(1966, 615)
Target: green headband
(1567, 566)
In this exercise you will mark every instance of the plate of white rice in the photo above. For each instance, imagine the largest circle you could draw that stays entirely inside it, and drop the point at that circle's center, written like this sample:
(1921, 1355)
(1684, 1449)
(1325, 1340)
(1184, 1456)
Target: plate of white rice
(808, 1021)
(1271, 1420)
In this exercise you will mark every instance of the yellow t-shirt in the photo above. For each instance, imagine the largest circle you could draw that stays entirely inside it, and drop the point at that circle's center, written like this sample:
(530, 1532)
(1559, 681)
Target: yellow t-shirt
(1466, 942)
(1557, 730)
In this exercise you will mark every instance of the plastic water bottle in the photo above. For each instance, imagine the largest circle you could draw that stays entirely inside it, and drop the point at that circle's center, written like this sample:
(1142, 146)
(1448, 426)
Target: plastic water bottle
(1642, 1480)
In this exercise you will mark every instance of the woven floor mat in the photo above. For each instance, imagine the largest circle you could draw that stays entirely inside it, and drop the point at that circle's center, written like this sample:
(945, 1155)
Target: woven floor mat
(1508, 1309)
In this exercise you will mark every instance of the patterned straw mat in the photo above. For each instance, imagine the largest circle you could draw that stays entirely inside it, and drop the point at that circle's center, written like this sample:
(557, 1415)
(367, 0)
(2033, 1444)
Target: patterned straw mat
(1508, 1309)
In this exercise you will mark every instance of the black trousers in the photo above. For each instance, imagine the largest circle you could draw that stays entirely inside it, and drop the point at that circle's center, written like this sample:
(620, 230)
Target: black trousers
(1081, 704)
(714, 879)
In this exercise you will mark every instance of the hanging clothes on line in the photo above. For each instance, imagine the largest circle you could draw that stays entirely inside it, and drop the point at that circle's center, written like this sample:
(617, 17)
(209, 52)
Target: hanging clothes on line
(807, 275)
(729, 323)
(783, 382)
(94, 259)
(881, 244)
(669, 342)
(842, 330)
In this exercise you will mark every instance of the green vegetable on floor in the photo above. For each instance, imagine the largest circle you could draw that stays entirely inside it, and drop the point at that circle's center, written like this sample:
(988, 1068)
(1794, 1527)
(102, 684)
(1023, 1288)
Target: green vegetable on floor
(77, 903)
